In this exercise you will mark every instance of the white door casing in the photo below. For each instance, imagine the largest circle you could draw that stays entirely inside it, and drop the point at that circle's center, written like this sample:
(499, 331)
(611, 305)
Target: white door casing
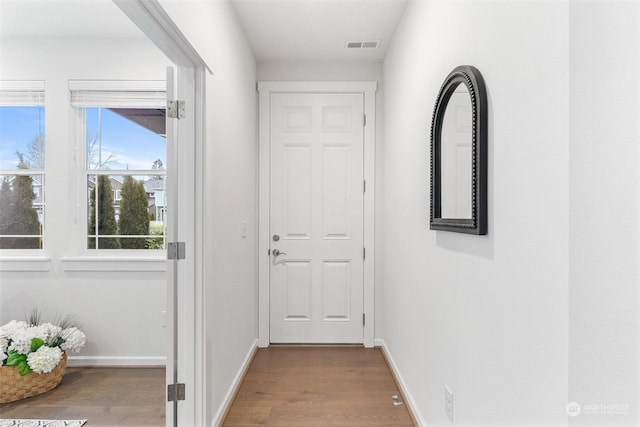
(338, 268)
(316, 284)
(185, 170)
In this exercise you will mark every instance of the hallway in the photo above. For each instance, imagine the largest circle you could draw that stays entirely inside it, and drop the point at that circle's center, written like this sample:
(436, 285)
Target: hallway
(318, 386)
(511, 328)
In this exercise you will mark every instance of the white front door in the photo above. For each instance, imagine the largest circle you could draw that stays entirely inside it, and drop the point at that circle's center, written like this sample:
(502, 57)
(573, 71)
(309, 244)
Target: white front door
(316, 218)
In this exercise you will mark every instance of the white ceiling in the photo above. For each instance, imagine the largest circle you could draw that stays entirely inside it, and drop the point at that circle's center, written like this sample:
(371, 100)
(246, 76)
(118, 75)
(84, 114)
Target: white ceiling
(317, 30)
(278, 30)
(64, 18)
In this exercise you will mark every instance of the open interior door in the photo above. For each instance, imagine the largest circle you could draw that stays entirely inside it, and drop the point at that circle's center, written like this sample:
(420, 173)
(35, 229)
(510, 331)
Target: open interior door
(181, 309)
(172, 267)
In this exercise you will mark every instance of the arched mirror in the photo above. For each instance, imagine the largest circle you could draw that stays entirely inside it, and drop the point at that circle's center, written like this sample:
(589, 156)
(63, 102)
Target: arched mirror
(459, 154)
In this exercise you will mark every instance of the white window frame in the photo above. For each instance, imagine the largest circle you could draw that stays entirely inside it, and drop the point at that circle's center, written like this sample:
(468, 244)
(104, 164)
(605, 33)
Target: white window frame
(26, 93)
(108, 94)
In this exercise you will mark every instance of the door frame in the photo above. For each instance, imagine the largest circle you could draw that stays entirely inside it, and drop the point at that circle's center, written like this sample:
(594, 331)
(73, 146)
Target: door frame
(265, 89)
(186, 350)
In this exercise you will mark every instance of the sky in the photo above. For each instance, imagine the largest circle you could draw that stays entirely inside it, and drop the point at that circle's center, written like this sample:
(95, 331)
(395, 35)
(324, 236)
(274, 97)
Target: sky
(134, 146)
(18, 127)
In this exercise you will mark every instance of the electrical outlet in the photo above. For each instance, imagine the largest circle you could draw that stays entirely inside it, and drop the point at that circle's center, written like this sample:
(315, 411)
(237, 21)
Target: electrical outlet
(243, 229)
(448, 402)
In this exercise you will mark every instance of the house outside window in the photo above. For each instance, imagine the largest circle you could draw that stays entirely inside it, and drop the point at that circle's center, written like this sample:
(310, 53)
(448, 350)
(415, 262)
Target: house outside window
(22, 165)
(123, 137)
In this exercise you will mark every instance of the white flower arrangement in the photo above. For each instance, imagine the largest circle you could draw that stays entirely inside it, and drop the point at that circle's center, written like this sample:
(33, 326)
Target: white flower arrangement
(38, 347)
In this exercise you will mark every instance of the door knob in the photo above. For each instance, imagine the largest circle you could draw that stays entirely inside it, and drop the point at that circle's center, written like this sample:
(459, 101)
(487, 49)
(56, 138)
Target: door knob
(277, 252)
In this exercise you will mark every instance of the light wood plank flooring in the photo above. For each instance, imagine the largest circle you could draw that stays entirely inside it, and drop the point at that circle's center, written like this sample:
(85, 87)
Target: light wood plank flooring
(317, 386)
(104, 396)
(285, 386)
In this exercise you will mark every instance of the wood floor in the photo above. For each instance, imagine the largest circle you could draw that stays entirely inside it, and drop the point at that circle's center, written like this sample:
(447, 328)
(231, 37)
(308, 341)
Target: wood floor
(317, 386)
(105, 397)
(285, 386)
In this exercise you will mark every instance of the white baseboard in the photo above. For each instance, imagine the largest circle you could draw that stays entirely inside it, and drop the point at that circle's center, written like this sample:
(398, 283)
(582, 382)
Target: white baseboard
(85, 361)
(410, 401)
(218, 418)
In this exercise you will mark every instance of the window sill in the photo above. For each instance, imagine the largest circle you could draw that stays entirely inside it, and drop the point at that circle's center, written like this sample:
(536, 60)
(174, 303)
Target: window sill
(114, 264)
(25, 263)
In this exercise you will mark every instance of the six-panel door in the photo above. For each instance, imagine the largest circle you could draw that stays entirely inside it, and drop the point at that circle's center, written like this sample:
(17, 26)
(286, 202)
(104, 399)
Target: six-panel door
(316, 283)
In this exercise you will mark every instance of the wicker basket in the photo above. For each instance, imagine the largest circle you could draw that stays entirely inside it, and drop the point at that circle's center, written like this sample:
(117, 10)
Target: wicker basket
(14, 387)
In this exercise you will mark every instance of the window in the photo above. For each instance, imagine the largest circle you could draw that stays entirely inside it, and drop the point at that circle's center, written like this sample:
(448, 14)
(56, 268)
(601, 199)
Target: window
(124, 143)
(22, 165)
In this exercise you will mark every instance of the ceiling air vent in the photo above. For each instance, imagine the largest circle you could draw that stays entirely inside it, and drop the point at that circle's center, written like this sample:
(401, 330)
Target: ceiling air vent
(363, 44)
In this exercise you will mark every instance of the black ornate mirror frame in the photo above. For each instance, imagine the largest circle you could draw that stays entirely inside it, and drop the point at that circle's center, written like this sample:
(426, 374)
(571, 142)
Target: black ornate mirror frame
(477, 224)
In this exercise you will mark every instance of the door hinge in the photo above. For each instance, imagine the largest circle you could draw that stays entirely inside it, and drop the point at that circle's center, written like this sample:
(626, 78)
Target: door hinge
(175, 392)
(176, 250)
(175, 109)
(363, 319)
(364, 186)
(364, 253)
(364, 120)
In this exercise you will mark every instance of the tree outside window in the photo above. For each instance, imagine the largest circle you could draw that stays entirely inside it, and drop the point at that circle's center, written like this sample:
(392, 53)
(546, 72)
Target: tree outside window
(22, 162)
(125, 156)
(103, 229)
(134, 214)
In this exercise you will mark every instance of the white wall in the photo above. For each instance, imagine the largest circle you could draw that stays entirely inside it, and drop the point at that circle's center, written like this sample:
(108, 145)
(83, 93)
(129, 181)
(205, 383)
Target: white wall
(485, 315)
(345, 71)
(113, 307)
(231, 182)
(604, 239)
(320, 71)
